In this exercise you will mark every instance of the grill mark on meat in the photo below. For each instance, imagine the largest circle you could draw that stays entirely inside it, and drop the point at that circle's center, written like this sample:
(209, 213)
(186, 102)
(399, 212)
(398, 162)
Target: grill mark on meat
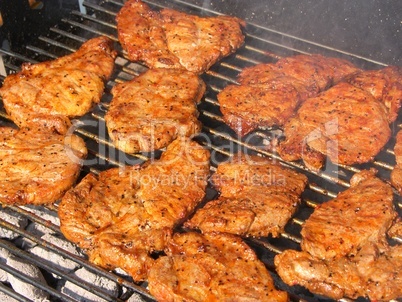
(124, 215)
(48, 94)
(269, 94)
(211, 267)
(172, 39)
(37, 167)
(385, 85)
(345, 252)
(251, 189)
(153, 109)
(344, 123)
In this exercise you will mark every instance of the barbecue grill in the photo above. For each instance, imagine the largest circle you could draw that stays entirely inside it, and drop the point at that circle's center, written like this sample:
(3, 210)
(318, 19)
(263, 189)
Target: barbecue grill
(32, 235)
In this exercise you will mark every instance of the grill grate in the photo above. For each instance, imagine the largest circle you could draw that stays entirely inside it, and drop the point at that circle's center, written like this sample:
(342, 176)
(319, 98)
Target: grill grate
(262, 46)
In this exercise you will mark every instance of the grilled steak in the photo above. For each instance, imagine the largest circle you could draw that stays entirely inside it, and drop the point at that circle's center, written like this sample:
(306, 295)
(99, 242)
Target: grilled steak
(396, 174)
(385, 85)
(153, 109)
(37, 167)
(370, 273)
(122, 216)
(245, 107)
(344, 123)
(171, 39)
(396, 230)
(211, 267)
(359, 215)
(48, 94)
(252, 188)
(344, 248)
(316, 71)
(269, 94)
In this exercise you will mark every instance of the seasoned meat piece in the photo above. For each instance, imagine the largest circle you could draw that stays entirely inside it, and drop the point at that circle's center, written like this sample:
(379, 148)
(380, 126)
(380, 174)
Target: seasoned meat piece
(140, 34)
(269, 94)
(396, 230)
(122, 216)
(37, 167)
(344, 123)
(211, 267)
(370, 273)
(316, 71)
(48, 94)
(385, 85)
(344, 248)
(200, 42)
(359, 215)
(252, 188)
(153, 109)
(171, 39)
(245, 108)
(396, 174)
(262, 75)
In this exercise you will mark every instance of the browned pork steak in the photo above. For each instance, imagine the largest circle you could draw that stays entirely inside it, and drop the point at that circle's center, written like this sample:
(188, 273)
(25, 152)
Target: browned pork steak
(370, 273)
(252, 189)
(153, 109)
(211, 267)
(37, 167)
(48, 94)
(245, 107)
(269, 94)
(344, 123)
(396, 174)
(344, 248)
(123, 215)
(361, 214)
(384, 84)
(172, 39)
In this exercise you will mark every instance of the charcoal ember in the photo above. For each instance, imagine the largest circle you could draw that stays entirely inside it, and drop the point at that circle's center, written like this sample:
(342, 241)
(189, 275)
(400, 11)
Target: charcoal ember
(135, 298)
(25, 289)
(36, 229)
(44, 213)
(4, 297)
(54, 259)
(15, 219)
(4, 255)
(81, 294)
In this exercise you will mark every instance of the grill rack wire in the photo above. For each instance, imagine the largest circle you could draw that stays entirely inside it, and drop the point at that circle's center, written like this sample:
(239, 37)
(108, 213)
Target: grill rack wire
(262, 45)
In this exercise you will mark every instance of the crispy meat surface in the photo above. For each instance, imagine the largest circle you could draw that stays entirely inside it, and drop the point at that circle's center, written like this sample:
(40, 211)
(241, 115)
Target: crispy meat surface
(385, 85)
(245, 108)
(153, 109)
(122, 216)
(344, 123)
(370, 273)
(268, 74)
(396, 230)
(316, 71)
(269, 94)
(252, 188)
(48, 94)
(211, 267)
(172, 39)
(37, 167)
(361, 214)
(344, 248)
(396, 174)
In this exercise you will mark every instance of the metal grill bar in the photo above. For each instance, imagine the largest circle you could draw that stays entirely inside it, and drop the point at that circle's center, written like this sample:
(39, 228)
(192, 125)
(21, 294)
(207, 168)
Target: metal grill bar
(59, 251)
